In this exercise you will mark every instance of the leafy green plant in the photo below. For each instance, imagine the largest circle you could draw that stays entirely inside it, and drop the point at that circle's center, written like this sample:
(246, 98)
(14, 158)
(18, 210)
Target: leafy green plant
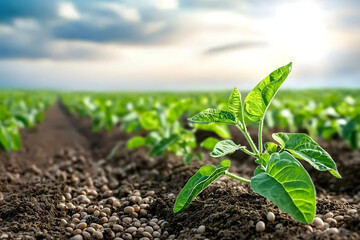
(166, 133)
(279, 176)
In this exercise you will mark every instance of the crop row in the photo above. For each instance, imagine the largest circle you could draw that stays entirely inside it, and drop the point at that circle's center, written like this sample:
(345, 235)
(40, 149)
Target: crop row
(20, 109)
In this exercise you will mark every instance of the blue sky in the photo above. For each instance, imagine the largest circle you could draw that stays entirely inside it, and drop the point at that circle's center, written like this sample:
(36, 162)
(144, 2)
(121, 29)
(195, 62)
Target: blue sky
(177, 44)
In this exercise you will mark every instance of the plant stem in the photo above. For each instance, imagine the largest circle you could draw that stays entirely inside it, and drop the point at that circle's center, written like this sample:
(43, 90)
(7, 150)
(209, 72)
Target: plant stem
(261, 123)
(237, 177)
(248, 152)
(249, 139)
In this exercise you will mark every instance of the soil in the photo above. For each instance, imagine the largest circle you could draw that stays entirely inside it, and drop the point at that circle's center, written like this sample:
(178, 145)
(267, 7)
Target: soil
(61, 156)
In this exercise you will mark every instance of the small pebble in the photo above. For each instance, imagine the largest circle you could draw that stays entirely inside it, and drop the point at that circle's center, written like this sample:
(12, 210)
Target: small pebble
(333, 230)
(339, 218)
(90, 230)
(127, 220)
(270, 217)
(147, 234)
(156, 234)
(352, 211)
(77, 237)
(326, 226)
(98, 235)
(331, 221)
(118, 228)
(86, 234)
(131, 229)
(70, 206)
(279, 226)
(129, 209)
(63, 221)
(309, 228)
(260, 226)
(318, 222)
(127, 236)
(200, 230)
(329, 215)
(149, 229)
(81, 225)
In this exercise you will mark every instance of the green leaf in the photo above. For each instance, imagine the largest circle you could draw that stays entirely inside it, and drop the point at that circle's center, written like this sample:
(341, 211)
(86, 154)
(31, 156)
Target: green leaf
(349, 133)
(287, 184)
(235, 106)
(198, 182)
(304, 147)
(177, 109)
(225, 147)
(219, 129)
(209, 143)
(159, 148)
(264, 159)
(10, 137)
(258, 170)
(214, 115)
(271, 147)
(150, 120)
(259, 99)
(136, 142)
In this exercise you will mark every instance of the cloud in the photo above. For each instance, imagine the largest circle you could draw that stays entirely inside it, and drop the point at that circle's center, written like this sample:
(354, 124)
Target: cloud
(68, 11)
(126, 13)
(234, 46)
(166, 4)
(26, 39)
(38, 9)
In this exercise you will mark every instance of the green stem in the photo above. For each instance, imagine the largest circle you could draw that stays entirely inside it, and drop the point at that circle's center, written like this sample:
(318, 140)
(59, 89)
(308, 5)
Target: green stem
(248, 152)
(237, 177)
(261, 123)
(249, 139)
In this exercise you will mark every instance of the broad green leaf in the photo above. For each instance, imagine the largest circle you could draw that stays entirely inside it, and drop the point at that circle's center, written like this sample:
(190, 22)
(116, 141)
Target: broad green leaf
(349, 133)
(287, 184)
(160, 147)
(198, 182)
(213, 115)
(209, 143)
(10, 137)
(177, 109)
(235, 106)
(136, 142)
(259, 99)
(271, 147)
(5, 139)
(150, 120)
(258, 170)
(304, 147)
(225, 147)
(220, 129)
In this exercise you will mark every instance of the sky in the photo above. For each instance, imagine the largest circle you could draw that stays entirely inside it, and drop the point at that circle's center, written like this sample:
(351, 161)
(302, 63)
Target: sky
(177, 44)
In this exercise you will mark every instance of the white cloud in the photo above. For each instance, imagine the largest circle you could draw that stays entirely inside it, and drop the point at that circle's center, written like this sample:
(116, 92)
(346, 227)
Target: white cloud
(166, 4)
(6, 30)
(68, 11)
(127, 13)
(154, 27)
(25, 24)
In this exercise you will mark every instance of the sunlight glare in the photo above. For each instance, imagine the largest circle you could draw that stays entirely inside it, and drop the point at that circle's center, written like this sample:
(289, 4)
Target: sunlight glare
(299, 29)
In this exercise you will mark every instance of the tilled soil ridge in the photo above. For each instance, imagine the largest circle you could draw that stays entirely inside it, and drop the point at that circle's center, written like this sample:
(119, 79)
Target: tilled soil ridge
(61, 186)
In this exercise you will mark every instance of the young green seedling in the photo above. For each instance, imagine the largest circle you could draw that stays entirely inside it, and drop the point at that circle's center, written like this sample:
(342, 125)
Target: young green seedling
(279, 177)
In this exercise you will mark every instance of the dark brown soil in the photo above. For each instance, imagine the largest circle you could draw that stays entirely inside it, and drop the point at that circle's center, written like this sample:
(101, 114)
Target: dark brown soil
(62, 151)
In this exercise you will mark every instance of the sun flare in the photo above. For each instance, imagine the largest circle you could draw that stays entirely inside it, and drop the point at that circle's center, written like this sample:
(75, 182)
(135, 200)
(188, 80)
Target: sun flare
(300, 30)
